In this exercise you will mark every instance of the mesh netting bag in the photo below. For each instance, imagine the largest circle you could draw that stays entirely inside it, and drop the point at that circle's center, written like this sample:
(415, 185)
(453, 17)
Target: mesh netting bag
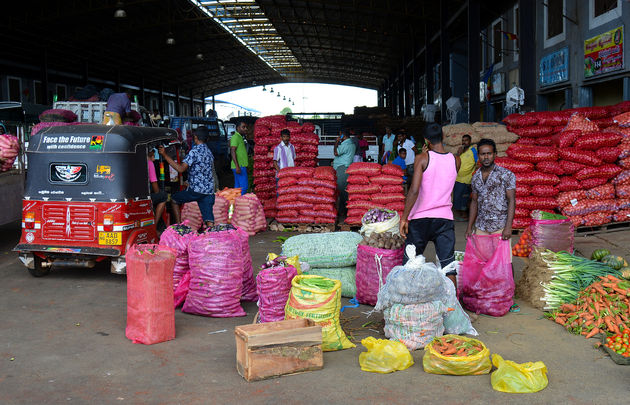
(328, 250)
(346, 275)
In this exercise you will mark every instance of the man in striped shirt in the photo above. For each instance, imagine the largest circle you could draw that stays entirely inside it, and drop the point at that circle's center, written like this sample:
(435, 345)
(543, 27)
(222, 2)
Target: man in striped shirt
(284, 154)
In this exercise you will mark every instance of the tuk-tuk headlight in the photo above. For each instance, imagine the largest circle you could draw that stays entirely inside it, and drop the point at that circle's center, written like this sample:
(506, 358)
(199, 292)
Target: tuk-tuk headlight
(29, 220)
(108, 222)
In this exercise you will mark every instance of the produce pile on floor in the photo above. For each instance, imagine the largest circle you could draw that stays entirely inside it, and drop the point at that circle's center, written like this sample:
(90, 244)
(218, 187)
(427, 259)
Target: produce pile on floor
(267, 137)
(307, 195)
(371, 185)
(575, 161)
(490, 130)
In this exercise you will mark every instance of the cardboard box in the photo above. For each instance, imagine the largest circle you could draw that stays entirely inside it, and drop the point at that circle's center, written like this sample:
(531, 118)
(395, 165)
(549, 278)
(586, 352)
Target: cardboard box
(272, 349)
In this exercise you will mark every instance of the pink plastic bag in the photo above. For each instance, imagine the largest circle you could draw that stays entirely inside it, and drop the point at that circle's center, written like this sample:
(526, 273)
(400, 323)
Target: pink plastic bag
(373, 266)
(273, 285)
(181, 291)
(486, 284)
(150, 311)
(172, 237)
(216, 278)
(249, 284)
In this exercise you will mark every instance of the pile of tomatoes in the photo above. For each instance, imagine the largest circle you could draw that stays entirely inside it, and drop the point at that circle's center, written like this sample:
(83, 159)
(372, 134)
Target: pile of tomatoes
(524, 246)
(620, 343)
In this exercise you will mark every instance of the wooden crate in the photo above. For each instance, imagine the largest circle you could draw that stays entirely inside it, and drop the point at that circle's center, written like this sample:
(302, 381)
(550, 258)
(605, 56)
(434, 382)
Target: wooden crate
(272, 349)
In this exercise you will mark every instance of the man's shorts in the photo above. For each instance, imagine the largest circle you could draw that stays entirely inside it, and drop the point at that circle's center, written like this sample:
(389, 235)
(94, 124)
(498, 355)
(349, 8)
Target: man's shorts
(461, 195)
(159, 197)
(440, 231)
(204, 201)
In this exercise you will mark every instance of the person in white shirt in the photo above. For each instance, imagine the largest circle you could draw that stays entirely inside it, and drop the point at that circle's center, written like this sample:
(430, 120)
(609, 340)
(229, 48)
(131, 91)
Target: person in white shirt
(284, 153)
(410, 147)
(387, 145)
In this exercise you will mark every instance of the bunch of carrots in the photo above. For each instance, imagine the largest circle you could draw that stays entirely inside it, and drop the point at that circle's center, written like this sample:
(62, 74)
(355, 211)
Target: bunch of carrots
(602, 307)
(452, 346)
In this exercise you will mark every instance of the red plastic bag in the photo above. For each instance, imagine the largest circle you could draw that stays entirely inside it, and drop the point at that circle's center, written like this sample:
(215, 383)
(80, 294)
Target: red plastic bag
(365, 168)
(522, 190)
(537, 203)
(608, 154)
(567, 138)
(533, 131)
(619, 108)
(324, 207)
(358, 179)
(261, 150)
(373, 266)
(393, 170)
(533, 154)
(568, 183)
(544, 190)
(150, 310)
(515, 166)
(569, 167)
(593, 182)
(585, 157)
(363, 188)
(597, 140)
(520, 120)
(603, 192)
(607, 170)
(536, 178)
(550, 166)
(385, 179)
(391, 189)
(181, 291)
(325, 173)
(486, 285)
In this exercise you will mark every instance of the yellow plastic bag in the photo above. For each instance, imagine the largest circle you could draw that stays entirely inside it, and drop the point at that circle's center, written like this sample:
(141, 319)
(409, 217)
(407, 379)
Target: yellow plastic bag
(435, 363)
(293, 261)
(384, 356)
(518, 378)
(318, 298)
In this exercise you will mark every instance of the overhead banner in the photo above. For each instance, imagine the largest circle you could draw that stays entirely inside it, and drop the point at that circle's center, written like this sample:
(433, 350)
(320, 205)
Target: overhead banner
(554, 67)
(604, 53)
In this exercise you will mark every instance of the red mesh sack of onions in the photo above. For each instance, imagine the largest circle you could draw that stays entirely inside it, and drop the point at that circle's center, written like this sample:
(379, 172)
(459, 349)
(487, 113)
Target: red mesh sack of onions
(565, 197)
(622, 190)
(603, 192)
(385, 179)
(593, 182)
(293, 205)
(287, 181)
(571, 167)
(623, 203)
(325, 191)
(625, 163)
(358, 179)
(521, 222)
(297, 172)
(586, 157)
(533, 154)
(621, 215)
(363, 188)
(536, 203)
(550, 166)
(520, 120)
(526, 141)
(296, 190)
(544, 190)
(316, 199)
(625, 150)
(597, 218)
(553, 118)
(568, 183)
(619, 108)
(515, 166)
(533, 131)
(587, 206)
(567, 138)
(325, 172)
(607, 170)
(522, 212)
(392, 169)
(623, 120)
(391, 188)
(608, 154)
(366, 168)
(536, 178)
(545, 141)
(597, 140)
(592, 113)
(522, 190)
(579, 122)
(359, 197)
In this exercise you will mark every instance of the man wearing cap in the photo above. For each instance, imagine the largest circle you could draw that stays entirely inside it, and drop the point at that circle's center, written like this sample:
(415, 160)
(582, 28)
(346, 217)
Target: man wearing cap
(200, 165)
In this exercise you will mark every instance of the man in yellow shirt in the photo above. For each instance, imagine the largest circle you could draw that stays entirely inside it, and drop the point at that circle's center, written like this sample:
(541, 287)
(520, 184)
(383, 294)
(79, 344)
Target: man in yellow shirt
(240, 160)
(461, 192)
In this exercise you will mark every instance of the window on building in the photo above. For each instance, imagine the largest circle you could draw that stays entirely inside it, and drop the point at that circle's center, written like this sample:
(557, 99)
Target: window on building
(554, 22)
(38, 91)
(603, 11)
(516, 30)
(497, 42)
(15, 89)
(170, 108)
(481, 55)
(61, 92)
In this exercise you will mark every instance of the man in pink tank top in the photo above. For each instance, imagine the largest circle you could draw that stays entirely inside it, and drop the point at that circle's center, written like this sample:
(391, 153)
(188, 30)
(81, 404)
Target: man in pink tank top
(428, 215)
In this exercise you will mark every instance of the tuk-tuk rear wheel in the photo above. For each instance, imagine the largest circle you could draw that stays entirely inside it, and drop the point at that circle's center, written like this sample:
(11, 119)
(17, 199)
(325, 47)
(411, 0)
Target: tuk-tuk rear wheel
(38, 270)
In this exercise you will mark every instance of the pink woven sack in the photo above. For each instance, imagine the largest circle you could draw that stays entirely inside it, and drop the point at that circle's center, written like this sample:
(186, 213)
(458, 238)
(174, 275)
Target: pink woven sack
(249, 284)
(177, 238)
(373, 266)
(273, 285)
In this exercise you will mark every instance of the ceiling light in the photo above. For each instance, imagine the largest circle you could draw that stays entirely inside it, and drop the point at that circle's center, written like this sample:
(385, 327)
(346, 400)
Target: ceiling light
(271, 91)
(199, 56)
(120, 12)
(278, 94)
(293, 103)
(169, 39)
(222, 67)
(253, 82)
(284, 99)
(264, 89)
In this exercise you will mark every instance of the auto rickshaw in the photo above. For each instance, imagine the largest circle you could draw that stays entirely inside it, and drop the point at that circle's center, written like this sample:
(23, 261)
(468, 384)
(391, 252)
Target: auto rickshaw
(87, 196)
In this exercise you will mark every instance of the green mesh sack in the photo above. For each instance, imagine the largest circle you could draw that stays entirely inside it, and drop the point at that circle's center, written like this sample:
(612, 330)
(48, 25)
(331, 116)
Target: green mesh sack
(346, 275)
(327, 250)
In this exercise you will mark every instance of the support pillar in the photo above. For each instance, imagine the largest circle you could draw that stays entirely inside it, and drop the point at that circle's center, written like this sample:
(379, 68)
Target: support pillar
(203, 103)
(85, 72)
(527, 56)
(428, 66)
(445, 53)
(178, 110)
(118, 81)
(626, 89)
(473, 60)
(143, 95)
(192, 104)
(213, 105)
(45, 77)
(162, 111)
(568, 98)
(415, 79)
(586, 96)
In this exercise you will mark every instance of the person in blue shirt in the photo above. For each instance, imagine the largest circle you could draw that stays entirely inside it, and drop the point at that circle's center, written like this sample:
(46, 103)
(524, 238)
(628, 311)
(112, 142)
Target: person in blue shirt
(200, 165)
(400, 161)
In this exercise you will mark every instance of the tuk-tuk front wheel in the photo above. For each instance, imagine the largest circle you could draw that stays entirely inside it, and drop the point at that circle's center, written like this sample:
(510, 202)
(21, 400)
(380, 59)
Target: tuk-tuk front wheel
(38, 270)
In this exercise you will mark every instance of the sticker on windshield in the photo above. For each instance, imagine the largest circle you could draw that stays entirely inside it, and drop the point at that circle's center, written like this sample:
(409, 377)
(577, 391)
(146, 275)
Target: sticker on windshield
(97, 142)
(68, 173)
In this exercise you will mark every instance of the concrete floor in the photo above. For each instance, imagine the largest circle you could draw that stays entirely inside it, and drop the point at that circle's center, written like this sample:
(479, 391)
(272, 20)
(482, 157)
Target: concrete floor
(62, 340)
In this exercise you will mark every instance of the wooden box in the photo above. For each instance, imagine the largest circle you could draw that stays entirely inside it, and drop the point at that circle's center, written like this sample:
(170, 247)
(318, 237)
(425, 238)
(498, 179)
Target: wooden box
(272, 349)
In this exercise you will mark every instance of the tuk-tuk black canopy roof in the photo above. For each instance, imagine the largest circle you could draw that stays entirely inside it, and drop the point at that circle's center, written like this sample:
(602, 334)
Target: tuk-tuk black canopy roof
(97, 138)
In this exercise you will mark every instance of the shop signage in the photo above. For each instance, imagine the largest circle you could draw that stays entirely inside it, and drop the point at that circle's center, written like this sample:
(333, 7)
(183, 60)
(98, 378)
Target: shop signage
(604, 53)
(554, 67)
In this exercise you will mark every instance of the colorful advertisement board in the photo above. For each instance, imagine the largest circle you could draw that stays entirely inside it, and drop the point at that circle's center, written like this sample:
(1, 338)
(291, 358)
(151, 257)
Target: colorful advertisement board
(603, 53)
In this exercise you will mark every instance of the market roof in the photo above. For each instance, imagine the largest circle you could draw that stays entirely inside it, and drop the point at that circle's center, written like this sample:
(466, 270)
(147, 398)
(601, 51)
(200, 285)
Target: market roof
(223, 45)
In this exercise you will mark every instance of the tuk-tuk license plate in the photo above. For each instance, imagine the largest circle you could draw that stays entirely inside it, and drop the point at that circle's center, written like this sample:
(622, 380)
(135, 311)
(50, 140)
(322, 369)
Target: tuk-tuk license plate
(110, 238)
